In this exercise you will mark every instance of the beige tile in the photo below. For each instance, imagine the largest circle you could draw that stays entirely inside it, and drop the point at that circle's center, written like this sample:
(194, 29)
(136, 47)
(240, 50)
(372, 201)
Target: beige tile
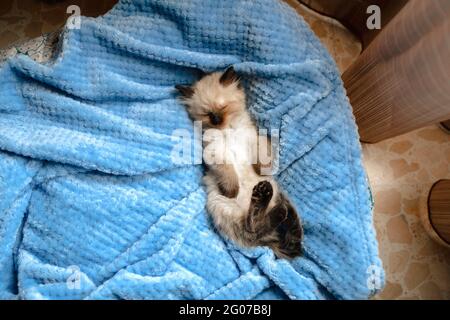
(388, 201)
(398, 261)
(391, 291)
(430, 291)
(440, 170)
(423, 175)
(411, 206)
(440, 272)
(433, 135)
(401, 146)
(428, 249)
(401, 167)
(398, 230)
(416, 274)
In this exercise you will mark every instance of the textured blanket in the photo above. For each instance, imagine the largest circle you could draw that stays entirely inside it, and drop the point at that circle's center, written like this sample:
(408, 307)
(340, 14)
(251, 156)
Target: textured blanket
(92, 205)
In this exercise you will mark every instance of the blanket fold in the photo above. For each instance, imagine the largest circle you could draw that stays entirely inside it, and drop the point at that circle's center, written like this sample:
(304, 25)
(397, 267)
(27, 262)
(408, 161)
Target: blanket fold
(92, 203)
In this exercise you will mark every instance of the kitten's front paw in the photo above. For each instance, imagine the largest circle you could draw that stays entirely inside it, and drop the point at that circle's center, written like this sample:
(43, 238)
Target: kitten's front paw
(263, 191)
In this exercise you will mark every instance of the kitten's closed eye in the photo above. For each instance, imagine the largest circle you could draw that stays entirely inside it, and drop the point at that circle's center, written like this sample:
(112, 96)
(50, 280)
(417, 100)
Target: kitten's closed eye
(215, 118)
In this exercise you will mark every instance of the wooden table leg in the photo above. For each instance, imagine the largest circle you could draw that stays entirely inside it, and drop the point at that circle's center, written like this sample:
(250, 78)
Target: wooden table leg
(401, 82)
(439, 211)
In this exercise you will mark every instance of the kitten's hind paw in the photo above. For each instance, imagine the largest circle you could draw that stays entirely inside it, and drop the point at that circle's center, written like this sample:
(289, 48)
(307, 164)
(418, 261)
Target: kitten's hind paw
(262, 192)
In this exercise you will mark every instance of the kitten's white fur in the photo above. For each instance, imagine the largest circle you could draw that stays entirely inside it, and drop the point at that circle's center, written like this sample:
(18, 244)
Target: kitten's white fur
(224, 209)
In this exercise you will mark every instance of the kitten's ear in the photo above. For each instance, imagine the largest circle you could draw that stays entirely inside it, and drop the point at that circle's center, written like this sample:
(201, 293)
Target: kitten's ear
(200, 74)
(185, 91)
(229, 76)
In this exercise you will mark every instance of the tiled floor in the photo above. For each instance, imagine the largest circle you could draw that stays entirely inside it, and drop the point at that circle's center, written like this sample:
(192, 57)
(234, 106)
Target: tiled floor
(401, 170)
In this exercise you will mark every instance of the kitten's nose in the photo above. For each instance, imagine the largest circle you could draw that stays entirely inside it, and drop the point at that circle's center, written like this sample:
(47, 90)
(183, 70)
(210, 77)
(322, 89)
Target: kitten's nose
(215, 118)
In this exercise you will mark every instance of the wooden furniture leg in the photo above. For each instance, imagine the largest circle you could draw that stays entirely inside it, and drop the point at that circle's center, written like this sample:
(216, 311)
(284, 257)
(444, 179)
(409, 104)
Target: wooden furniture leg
(401, 82)
(438, 221)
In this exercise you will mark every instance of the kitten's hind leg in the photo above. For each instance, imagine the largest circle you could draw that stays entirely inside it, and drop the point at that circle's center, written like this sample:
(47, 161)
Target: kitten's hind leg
(228, 217)
(227, 179)
(284, 220)
(261, 195)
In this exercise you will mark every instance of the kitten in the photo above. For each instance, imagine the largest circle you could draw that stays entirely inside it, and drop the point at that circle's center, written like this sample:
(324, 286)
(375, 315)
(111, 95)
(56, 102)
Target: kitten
(246, 206)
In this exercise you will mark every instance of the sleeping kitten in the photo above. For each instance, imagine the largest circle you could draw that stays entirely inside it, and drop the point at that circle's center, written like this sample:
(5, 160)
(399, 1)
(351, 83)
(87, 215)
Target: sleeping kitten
(246, 206)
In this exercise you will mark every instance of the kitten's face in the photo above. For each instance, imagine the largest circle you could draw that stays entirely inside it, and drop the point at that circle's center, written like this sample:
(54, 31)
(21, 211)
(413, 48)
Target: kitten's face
(215, 99)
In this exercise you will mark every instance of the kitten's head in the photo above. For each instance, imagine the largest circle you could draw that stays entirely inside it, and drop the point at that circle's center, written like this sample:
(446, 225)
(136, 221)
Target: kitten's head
(214, 99)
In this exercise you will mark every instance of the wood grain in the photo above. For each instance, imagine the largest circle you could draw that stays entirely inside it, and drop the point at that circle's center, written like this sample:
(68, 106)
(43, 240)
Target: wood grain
(401, 82)
(439, 209)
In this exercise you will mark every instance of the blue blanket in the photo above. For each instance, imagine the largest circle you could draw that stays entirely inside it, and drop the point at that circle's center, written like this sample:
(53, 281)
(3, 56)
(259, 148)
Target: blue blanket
(92, 205)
